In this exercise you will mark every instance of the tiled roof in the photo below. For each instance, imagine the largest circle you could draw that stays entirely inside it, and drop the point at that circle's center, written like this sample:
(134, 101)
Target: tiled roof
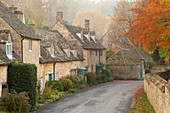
(129, 56)
(4, 60)
(87, 44)
(55, 39)
(16, 24)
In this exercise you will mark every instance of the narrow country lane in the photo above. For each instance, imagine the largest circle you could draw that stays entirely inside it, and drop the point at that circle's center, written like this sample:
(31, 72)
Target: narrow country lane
(109, 98)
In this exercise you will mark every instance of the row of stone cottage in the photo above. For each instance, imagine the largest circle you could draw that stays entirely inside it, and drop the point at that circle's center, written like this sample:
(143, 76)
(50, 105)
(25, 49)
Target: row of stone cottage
(61, 51)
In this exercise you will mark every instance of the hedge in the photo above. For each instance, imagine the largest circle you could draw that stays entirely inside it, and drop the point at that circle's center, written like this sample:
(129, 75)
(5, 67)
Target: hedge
(22, 77)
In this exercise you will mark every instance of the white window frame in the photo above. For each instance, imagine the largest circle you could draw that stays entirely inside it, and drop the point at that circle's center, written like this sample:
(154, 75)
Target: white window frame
(68, 52)
(30, 45)
(9, 50)
(41, 83)
(56, 76)
(75, 53)
(52, 51)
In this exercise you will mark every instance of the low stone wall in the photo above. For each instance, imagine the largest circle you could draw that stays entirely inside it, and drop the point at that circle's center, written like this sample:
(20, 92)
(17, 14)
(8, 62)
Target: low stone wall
(158, 93)
(124, 72)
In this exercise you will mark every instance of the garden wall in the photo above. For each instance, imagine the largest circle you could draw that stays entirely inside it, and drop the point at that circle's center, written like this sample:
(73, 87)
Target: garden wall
(158, 93)
(124, 72)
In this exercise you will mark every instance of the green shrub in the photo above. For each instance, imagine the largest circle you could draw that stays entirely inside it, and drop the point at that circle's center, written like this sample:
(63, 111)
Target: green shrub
(47, 92)
(16, 103)
(61, 94)
(72, 90)
(55, 85)
(22, 77)
(95, 83)
(66, 84)
(106, 72)
(149, 64)
(91, 77)
(98, 76)
(109, 79)
(41, 99)
(76, 80)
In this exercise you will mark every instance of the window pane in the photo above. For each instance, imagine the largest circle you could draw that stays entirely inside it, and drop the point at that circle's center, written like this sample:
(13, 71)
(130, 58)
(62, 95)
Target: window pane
(7, 49)
(10, 50)
(30, 44)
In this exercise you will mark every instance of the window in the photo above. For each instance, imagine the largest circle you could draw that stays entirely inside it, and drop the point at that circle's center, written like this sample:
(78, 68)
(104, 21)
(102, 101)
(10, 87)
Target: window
(30, 45)
(9, 50)
(50, 77)
(101, 53)
(131, 68)
(56, 76)
(41, 83)
(52, 51)
(75, 53)
(68, 52)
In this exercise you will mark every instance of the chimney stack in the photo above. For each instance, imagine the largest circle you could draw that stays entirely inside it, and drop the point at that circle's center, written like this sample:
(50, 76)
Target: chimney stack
(87, 24)
(20, 16)
(13, 8)
(17, 13)
(60, 17)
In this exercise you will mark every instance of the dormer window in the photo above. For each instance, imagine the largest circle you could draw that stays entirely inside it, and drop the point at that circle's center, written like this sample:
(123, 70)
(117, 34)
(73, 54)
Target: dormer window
(75, 53)
(68, 52)
(9, 50)
(52, 51)
(30, 45)
(80, 35)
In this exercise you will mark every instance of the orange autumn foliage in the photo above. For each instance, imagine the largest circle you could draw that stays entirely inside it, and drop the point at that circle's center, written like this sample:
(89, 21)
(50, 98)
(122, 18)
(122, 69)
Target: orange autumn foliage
(151, 26)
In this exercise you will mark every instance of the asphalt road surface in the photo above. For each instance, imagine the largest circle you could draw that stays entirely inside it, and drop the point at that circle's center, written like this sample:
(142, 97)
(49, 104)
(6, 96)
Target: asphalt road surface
(109, 98)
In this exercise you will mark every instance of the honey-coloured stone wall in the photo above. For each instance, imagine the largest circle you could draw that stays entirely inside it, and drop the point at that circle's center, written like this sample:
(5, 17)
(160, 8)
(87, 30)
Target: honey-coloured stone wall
(158, 93)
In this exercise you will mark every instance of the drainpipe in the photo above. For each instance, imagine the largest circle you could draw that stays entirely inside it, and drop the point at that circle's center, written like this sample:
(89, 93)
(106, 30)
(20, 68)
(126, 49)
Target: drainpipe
(54, 70)
(99, 57)
(22, 56)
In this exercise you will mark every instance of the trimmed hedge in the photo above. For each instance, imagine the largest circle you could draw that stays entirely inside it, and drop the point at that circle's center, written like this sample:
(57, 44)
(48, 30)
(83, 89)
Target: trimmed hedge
(22, 77)
(55, 85)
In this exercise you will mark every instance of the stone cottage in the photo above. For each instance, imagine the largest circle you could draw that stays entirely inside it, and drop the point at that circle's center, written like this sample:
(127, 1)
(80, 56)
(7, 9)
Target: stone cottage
(6, 55)
(17, 41)
(57, 57)
(91, 49)
(128, 63)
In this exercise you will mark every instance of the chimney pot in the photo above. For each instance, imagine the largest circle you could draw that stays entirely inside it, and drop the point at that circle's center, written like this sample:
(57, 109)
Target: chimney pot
(87, 24)
(60, 17)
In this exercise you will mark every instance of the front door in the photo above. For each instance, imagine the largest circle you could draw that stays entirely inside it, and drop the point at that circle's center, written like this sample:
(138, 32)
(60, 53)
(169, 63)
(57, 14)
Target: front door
(50, 77)
(141, 71)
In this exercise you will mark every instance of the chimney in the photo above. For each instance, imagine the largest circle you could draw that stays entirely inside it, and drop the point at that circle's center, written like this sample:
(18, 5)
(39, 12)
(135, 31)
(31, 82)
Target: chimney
(87, 24)
(13, 8)
(60, 17)
(20, 16)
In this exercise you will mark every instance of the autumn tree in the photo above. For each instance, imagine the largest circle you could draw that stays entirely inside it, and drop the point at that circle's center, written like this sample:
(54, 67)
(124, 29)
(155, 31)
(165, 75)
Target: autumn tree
(121, 13)
(151, 26)
(98, 22)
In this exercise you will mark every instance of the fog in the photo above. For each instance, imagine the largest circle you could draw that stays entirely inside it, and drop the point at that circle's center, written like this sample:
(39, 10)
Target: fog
(46, 9)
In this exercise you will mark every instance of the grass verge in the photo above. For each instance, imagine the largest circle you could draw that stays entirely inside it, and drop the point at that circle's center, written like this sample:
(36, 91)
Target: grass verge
(142, 104)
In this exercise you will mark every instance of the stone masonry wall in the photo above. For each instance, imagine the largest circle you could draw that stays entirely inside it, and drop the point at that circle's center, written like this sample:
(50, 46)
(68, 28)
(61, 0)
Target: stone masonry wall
(3, 76)
(158, 93)
(124, 72)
